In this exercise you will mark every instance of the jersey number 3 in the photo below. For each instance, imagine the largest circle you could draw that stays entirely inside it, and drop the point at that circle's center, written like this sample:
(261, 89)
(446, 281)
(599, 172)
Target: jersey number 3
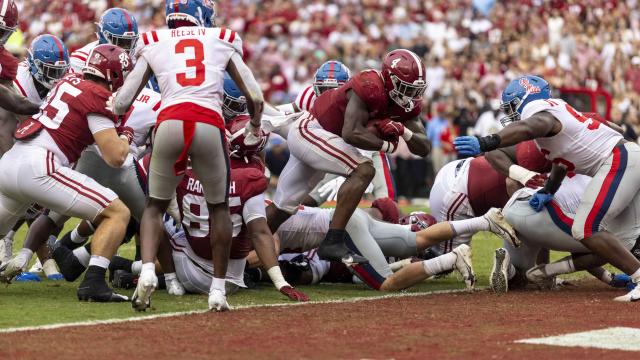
(196, 62)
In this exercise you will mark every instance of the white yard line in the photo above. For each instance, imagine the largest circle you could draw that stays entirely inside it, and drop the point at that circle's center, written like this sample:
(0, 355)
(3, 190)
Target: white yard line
(235, 308)
(613, 338)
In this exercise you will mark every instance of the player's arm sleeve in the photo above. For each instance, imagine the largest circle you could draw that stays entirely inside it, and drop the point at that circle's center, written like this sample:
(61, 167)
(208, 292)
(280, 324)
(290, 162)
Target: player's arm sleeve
(247, 83)
(305, 99)
(99, 122)
(286, 108)
(134, 83)
(76, 63)
(254, 209)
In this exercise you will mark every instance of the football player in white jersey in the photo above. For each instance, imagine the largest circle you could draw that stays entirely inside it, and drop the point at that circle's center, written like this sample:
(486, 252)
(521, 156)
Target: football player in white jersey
(576, 144)
(551, 229)
(117, 27)
(189, 60)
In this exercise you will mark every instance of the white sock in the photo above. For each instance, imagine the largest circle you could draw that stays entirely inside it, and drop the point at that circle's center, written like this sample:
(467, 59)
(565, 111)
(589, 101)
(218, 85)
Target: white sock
(147, 267)
(24, 255)
(82, 255)
(168, 277)
(49, 268)
(101, 261)
(10, 235)
(439, 264)
(511, 271)
(77, 238)
(218, 284)
(636, 276)
(469, 226)
(136, 267)
(560, 267)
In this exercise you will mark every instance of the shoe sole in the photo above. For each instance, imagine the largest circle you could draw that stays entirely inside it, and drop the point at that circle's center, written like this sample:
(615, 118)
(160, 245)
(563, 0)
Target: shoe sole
(141, 303)
(498, 278)
(508, 233)
(471, 281)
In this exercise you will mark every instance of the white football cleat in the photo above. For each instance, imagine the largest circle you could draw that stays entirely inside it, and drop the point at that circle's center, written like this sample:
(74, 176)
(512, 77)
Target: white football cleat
(464, 265)
(147, 284)
(36, 268)
(499, 226)
(537, 276)
(631, 296)
(174, 287)
(499, 278)
(12, 268)
(6, 249)
(218, 301)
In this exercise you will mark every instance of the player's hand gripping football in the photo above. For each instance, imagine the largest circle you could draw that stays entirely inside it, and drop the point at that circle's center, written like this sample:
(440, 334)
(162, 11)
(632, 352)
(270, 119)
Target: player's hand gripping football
(293, 293)
(390, 129)
(252, 134)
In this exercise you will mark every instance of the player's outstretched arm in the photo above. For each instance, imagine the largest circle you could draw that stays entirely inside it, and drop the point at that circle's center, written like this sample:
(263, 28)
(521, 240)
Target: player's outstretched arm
(134, 83)
(557, 174)
(243, 76)
(418, 143)
(504, 161)
(354, 130)
(539, 125)
(17, 104)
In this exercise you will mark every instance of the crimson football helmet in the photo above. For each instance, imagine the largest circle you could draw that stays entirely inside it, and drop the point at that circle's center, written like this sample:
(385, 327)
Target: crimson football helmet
(419, 220)
(235, 137)
(8, 19)
(110, 63)
(404, 77)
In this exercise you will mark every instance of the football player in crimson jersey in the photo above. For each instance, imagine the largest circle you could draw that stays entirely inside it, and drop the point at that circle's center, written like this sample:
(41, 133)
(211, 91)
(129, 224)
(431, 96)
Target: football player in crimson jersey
(327, 140)
(189, 60)
(576, 144)
(37, 169)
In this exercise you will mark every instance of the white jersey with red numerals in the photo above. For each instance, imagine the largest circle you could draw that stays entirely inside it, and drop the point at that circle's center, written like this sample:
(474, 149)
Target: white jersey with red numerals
(189, 63)
(25, 83)
(246, 203)
(306, 98)
(305, 230)
(582, 145)
(79, 57)
(141, 117)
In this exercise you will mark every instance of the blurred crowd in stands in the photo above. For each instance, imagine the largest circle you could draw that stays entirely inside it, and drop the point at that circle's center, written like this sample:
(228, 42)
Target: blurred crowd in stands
(472, 48)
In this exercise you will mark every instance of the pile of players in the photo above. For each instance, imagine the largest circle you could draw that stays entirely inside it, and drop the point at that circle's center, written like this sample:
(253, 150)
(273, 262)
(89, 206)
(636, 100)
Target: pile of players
(160, 136)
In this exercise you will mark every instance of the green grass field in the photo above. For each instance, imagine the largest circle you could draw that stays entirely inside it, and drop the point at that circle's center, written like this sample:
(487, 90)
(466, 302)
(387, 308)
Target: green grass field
(49, 302)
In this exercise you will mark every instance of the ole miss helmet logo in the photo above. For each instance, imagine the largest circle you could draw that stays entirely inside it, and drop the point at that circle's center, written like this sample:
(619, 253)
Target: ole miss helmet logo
(530, 88)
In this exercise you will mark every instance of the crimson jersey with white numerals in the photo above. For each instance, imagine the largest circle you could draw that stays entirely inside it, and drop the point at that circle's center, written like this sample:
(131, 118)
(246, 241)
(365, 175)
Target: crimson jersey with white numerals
(306, 99)
(246, 203)
(583, 143)
(189, 64)
(8, 65)
(25, 83)
(329, 108)
(64, 113)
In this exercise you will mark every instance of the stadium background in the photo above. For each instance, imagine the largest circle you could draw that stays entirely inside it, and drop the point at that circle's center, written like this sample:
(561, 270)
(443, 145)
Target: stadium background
(471, 49)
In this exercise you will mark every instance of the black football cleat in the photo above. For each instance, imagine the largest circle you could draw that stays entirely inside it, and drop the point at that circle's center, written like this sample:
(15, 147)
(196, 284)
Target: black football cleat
(123, 279)
(97, 290)
(69, 265)
(333, 248)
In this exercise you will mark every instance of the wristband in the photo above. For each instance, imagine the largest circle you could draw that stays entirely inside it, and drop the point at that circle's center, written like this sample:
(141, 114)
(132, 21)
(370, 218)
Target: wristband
(489, 142)
(520, 174)
(407, 134)
(276, 277)
(125, 138)
(387, 146)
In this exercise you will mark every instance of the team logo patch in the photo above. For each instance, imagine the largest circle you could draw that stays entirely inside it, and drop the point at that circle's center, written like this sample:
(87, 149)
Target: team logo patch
(530, 88)
(395, 62)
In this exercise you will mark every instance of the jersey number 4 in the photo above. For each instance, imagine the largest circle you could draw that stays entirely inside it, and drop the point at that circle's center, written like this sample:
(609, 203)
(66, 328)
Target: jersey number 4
(196, 62)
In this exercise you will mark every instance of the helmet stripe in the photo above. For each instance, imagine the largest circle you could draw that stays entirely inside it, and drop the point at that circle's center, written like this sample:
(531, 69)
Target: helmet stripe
(128, 18)
(5, 5)
(60, 48)
(418, 61)
(176, 5)
(332, 65)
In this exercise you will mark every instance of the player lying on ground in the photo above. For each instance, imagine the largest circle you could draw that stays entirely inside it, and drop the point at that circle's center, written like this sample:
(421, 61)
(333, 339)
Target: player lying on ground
(189, 60)
(327, 139)
(37, 168)
(550, 228)
(576, 144)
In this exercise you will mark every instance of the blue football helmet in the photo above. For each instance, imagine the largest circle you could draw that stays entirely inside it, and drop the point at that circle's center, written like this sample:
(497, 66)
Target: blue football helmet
(48, 60)
(330, 75)
(190, 13)
(118, 27)
(234, 102)
(519, 93)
